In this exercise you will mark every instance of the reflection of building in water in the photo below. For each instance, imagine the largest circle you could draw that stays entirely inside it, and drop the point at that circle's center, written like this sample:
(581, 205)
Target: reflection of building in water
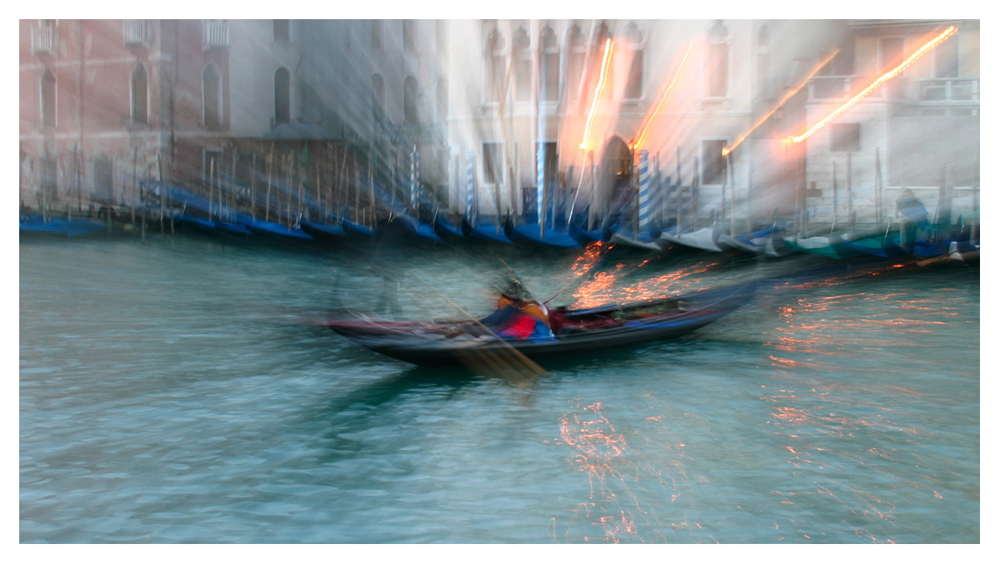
(534, 82)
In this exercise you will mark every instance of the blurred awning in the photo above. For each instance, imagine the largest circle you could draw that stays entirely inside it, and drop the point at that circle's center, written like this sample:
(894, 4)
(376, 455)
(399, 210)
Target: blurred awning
(298, 131)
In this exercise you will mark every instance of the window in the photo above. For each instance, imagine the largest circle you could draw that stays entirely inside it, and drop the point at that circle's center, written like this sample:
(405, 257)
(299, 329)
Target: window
(492, 171)
(282, 97)
(633, 39)
(103, 177)
(410, 101)
(139, 95)
(574, 71)
(946, 59)
(378, 97)
(890, 54)
(48, 99)
(442, 97)
(550, 65)
(48, 172)
(713, 164)
(211, 90)
(282, 31)
(441, 36)
(522, 66)
(763, 63)
(494, 69)
(600, 39)
(845, 137)
(409, 36)
(376, 35)
(718, 61)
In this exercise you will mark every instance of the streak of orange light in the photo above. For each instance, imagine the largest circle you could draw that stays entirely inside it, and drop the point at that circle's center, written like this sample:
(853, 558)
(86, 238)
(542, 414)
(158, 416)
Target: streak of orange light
(651, 117)
(608, 45)
(789, 94)
(874, 85)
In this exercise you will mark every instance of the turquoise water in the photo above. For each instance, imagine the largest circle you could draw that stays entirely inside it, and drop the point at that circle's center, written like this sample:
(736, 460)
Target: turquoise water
(178, 390)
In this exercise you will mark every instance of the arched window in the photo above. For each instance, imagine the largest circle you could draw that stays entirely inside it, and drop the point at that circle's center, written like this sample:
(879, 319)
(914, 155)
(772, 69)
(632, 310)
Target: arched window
(494, 65)
(441, 36)
(522, 65)
(718, 61)
(550, 65)
(577, 52)
(48, 95)
(211, 92)
(600, 41)
(376, 35)
(410, 101)
(140, 93)
(409, 36)
(633, 41)
(378, 97)
(763, 62)
(282, 30)
(442, 97)
(282, 97)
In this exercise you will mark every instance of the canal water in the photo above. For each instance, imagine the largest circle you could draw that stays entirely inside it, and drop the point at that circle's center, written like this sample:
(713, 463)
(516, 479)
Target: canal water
(181, 390)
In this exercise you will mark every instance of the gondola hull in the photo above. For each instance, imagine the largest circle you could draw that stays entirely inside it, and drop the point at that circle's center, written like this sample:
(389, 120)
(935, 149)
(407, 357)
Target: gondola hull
(582, 332)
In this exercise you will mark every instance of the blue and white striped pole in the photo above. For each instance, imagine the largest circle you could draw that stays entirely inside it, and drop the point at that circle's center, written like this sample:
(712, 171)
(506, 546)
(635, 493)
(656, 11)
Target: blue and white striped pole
(413, 177)
(645, 210)
(470, 186)
(540, 204)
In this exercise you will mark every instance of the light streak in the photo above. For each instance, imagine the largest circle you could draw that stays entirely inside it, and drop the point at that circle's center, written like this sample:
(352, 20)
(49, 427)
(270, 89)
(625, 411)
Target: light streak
(649, 120)
(608, 45)
(788, 94)
(878, 82)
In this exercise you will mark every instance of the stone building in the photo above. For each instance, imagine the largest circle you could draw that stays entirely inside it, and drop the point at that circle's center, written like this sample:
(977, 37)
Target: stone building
(683, 90)
(107, 104)
(920, 130)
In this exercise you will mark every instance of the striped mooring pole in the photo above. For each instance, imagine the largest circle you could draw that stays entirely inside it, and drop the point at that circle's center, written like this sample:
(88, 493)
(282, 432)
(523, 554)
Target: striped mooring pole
(414, 176)
(470, 186)
(540, 204)
(645, 210)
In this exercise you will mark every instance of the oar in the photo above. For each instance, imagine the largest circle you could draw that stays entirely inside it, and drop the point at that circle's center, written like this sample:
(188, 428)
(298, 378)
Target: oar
(516, 356)
(934, 260)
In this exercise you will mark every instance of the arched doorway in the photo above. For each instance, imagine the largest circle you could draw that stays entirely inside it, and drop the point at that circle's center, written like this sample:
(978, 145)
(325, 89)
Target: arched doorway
(615, 185)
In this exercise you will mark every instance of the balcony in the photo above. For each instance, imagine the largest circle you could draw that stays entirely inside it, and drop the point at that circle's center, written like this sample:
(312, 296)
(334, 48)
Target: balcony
(949, 90)
(42, 39)
(136, 33)
(215, 34)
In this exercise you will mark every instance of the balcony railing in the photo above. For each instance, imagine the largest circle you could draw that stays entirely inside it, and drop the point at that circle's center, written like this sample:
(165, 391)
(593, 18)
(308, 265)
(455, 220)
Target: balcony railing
(136, 32)
(215, 34)
(42, 39)
(949, 90)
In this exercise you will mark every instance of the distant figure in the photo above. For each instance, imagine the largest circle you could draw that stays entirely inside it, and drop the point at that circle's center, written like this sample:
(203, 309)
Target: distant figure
(912, 214)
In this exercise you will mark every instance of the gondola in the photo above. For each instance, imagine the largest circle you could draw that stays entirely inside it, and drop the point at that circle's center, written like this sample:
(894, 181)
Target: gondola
(35, 225)
(574, 332)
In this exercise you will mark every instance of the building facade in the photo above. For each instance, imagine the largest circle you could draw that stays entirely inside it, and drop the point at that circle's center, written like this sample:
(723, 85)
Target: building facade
(920, 130)
(322, 104)
(683, 91)
(108, 104)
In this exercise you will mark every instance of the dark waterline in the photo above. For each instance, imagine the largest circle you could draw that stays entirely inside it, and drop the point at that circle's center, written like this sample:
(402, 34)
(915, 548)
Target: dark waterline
(174, 391)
